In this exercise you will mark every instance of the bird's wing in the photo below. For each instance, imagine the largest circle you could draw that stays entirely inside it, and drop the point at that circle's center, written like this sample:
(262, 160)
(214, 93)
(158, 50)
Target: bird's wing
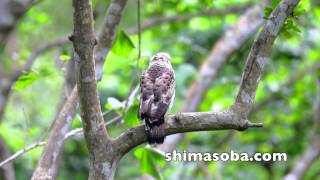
(146, 99)
(163, 91)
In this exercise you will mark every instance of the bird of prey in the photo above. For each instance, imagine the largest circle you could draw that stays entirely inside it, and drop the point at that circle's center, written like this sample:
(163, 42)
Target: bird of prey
(157, 85)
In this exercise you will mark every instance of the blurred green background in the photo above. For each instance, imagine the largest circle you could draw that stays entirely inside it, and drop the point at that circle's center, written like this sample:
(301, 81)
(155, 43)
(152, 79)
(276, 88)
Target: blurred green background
(286, 108)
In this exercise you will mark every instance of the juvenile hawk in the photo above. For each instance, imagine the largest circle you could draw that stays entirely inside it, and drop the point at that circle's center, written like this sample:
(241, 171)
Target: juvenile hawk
(157, 86)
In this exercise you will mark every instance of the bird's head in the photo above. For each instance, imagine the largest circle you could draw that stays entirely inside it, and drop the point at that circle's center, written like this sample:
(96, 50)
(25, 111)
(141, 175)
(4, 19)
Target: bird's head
(161, 57)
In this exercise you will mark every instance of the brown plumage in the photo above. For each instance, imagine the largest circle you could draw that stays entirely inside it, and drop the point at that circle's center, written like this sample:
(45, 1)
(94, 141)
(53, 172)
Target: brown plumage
(157, 86)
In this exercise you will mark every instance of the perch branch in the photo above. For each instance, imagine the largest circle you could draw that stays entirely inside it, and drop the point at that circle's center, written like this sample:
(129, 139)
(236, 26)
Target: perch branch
(186, 122)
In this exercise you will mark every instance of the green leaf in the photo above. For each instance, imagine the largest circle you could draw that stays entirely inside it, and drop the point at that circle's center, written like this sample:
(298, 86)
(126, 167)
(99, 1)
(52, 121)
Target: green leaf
(149, 159)
(267, 12)
(113, 104)
(289, 29)
(274, 3)
(64, 57)
(138, 153)
(130, 117)
(298, 11)
(209, 3)
(296, 28)
(26, 80)
(286, 34)
(157, 155)
(123, 45)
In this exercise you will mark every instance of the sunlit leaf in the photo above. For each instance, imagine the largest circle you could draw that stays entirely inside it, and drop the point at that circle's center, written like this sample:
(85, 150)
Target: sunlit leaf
(157, 155)
(130, 117)
(113, 104)
(274, 3)
(123, 45)
(298, 11)
(64, 57)
(26, 80)
(149, 159)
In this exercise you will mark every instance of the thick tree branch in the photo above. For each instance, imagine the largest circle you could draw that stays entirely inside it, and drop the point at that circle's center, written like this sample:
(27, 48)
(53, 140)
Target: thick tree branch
(92, 120)
(186, 122)
(236, 116)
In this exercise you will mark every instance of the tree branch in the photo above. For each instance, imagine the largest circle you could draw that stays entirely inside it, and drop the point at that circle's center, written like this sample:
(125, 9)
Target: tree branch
(186, 122)
(236, 116)
(92, 120)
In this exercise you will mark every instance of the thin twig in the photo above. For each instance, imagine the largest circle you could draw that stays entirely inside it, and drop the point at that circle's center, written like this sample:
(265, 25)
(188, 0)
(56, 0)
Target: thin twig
(74, 132)
(21, 152)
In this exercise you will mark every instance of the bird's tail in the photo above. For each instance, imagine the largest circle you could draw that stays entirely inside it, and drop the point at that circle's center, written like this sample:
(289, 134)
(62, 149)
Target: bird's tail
(155, 133)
